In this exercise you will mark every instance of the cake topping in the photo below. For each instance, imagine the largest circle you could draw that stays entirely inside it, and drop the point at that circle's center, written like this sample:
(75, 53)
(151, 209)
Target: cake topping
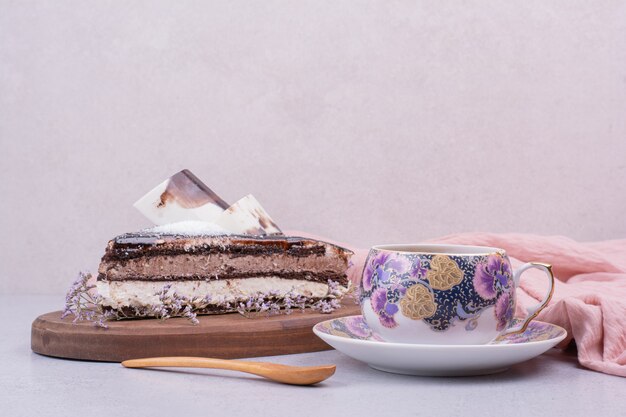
(247, 217)
(184, 205)
(181, 197)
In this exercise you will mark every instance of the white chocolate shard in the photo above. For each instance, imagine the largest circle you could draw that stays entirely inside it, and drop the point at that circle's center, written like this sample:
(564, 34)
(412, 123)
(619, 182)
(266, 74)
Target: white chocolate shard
(247, 217)
(182, 197)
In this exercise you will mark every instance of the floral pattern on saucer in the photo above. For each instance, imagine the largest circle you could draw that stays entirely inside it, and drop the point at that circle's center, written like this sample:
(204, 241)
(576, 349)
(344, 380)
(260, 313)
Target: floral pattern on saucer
(354, 327)
(535, 332)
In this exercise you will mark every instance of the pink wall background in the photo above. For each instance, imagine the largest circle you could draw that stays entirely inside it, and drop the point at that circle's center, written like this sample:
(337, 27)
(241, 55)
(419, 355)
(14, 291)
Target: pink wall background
(368, 122)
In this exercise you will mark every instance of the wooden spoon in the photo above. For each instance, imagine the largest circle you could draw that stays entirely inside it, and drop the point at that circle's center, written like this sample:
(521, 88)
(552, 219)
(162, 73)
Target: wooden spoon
(294, 375)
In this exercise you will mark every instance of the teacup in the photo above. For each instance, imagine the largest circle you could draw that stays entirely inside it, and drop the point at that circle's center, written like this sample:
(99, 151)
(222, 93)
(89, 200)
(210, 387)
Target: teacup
(443, 294)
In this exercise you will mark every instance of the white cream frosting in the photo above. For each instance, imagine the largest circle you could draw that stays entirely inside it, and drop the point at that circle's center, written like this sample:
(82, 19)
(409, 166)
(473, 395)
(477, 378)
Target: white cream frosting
(191, 228)
(118, 294)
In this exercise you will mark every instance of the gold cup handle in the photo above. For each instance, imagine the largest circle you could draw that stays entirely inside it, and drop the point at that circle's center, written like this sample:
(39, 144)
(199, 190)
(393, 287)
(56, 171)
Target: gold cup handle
(535, 310)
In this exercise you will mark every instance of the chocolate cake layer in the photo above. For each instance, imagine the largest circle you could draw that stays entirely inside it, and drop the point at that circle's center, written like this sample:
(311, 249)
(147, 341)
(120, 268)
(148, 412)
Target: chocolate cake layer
(307, 276)
(131, 312)
(159, 257)
(223, 265)
(145, 244)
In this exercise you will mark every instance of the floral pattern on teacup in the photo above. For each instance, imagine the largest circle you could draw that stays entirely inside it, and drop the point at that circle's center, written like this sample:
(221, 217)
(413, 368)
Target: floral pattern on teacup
(418, 303)
(493, 279)
(438, 289)
(444, 273)
(394, 275)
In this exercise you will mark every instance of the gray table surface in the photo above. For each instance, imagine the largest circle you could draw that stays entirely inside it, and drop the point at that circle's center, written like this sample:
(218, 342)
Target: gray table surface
(33, 385)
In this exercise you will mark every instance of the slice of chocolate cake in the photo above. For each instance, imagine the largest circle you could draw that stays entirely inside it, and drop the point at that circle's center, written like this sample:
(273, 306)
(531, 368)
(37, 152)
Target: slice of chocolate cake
(218, 273)
(208, 257)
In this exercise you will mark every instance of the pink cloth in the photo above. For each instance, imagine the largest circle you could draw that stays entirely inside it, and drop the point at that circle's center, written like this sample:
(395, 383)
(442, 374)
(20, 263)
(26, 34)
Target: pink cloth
(589, 299)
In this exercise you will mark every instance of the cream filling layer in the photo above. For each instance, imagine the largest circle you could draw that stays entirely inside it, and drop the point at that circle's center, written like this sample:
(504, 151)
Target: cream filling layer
(117, 294)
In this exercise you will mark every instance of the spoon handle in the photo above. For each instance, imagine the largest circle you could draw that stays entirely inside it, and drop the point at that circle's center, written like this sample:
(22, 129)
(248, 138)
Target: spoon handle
(298, 375)
(194, 362)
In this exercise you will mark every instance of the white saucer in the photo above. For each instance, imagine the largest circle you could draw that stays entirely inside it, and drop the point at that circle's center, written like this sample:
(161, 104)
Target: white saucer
(350, 335)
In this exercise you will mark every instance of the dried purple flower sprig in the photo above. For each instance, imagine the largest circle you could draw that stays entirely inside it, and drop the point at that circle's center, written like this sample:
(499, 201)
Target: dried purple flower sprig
(84, 304)
(173, 305)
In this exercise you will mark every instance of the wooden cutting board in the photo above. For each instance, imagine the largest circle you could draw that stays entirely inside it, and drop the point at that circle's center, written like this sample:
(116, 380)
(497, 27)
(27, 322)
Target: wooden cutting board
(225, 336)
